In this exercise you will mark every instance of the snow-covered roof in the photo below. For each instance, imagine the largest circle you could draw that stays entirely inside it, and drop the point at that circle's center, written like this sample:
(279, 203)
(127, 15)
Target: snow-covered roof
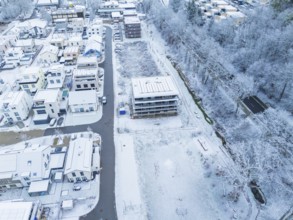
(129, 12)
(96, 38)
(71, 50)
(39, 186)
(48, 96)
(25, 42)
(235, 14)
(131, 20)
(50, 49)
(16, 210)
(57, 161)
(13, 97)
(82, 97)
(79, 156)
(81, 61)
(57, 40)
(116, 14)
(67, 204)
(47, 2)
(85, 72)
(153, 86)
(31, 70)
(75, 39)
(31, 23)
(127, 5)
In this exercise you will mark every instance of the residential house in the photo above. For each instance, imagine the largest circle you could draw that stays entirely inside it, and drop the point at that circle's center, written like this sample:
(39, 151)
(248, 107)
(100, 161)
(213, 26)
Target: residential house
(83, 101)
(46, 105)
(96, 28)
(154, 96)
(13, 56)
(15, 106)
(106, 8)
(27, 45)
(31, 79)
(82, 160)
(22, 164)
(87, 62)
(35, 28)
(85, 79)
(76, 24)
(55, 77)
(75, 41)
(70, 54)
(49, 54)
(58, 42)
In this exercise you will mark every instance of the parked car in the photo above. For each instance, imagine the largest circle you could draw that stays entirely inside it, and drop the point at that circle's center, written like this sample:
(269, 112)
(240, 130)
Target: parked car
(60, 121)
(53, 122)
(76, 188)
(104, 100)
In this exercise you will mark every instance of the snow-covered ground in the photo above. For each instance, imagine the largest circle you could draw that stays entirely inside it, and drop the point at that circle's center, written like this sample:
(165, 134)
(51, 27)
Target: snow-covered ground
(176, 162)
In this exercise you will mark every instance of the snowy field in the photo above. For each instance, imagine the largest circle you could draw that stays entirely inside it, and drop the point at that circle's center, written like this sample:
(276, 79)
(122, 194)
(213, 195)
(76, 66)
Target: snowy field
(170, 167)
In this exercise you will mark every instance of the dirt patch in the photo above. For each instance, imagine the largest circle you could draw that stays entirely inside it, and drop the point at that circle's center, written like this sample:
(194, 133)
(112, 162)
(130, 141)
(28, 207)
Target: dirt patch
(7, 138)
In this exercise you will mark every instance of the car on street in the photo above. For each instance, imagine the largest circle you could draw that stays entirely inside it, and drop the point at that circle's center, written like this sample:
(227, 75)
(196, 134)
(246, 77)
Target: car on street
(104, 100)
(76, 188)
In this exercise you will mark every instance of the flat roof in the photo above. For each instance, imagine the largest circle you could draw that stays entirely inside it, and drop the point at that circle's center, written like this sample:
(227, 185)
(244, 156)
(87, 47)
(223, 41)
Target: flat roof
(85, 72)
(153, 86)
(57, 161)
(71, 49)
(131, 20)
(48, 95)
(39, 186)
(85, 60)
(82, 97)
(15, 210)
(8, 163)
(13, 97)
(79, 155)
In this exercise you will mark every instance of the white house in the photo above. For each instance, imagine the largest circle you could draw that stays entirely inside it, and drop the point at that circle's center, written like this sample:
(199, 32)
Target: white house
(71, 53)
(76, 24)
(58, 42)
(34, 27)
(46, 105)
(55, 77)
(75, 41)
(154, 96)
(16, 106)
(83, 101)
(87, 63)
(81, 160)
(13, 56)
(85, 79)
(94, 47)
(27, 45)
(24, 163)
(49, 54)
(31, 79)
(96, 28)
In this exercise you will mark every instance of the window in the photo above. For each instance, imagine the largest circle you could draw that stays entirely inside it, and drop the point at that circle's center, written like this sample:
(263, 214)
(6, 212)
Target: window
(52, 81)
(81, 173)
(18, 118)
(92, 85)
(85, 85)
(73, 174)
(78, 86)
(16, 114)
(41, 112)
(91, 109)
(52, 110)
(58, 81)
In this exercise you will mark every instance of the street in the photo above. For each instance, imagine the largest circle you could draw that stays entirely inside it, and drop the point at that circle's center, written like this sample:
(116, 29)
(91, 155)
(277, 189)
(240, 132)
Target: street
(106, 205)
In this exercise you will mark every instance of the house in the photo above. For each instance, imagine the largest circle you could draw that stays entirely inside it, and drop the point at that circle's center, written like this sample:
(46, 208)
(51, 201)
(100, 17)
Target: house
(24, 163)
(46, 105)
(68, 14)
(13, 209)
(4, 45)
(94, 47)
(13, 56)
(61, 25)
(83, 101)
(132, 27)
(15, 106)
(35, 28)
(76, 24)
(39, 188)
(129, 13)
(31, 79)
(85, 79)
(116, 16)
(49, 54)
(55, 77)
(58, 42)
(87, 63)
(127, 6)
(27, 45)
(82, 160)
(106, 8)
(75, 41)
(154, 96)
(96, 28)
(71, 53)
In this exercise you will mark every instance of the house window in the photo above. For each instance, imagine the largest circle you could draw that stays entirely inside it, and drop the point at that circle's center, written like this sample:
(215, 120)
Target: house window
(16, 114)
(92, 85)
(91, 109)
(85, 85)
(78, 86)
(52, 110)
(73, 174)
(52, 81)
(58, 81)
(81, 173)
(26, 178)
(33, 85)
(18, 118)
(41, 112)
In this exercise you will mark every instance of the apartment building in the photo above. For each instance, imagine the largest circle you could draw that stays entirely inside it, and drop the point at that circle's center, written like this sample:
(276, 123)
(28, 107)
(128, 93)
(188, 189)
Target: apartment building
(68, 14)
(31, 80)
(154, 96)
(132, 27)
(15, 106)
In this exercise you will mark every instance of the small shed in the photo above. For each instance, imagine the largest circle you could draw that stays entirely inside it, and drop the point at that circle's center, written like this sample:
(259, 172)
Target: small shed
(58, 177)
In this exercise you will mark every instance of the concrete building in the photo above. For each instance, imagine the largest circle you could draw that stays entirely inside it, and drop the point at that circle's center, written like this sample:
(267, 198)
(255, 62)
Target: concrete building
(96, 28)
(85, 79)
(132, 27)
(154, 96)
(16, 106)
(82, 160)
(46, 105)
(49, 54)
(68, 14)
(31, 80)
(83, 101)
